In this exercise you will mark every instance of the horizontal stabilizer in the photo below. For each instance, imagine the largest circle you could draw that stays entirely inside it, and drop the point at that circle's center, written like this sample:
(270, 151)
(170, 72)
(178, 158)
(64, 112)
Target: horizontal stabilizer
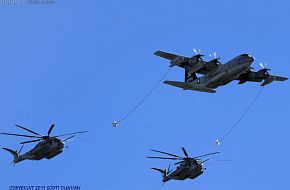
(279, 78)
(183, 85)
(272, 78)
(186, 86)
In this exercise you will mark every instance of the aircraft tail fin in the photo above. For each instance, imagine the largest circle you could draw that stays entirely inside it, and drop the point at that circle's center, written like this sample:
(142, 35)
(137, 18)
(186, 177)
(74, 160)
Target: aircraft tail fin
(186, 86)
(14, 153)
(160, 170)
(163, 173)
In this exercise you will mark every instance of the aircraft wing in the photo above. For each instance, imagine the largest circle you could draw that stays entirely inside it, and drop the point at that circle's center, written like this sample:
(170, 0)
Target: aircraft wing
(166, 55)
(252, 77)
(184, 62)
(175, 60)
(186, 86)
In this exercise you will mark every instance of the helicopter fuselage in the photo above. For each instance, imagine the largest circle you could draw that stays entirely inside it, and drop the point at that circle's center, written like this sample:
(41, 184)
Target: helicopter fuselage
(185, 171)
(47, 148)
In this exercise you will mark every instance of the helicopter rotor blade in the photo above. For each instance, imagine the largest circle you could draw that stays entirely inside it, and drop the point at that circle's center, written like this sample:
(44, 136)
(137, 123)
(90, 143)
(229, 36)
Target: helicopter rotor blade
(165, 153)
(13, 134)
(50, 129)
(28, 130)
(184, 152)
(163, 158)
(205, 161)
(70, 134)
(31, 141)
(206, 154)
(68, 138)
(179, 162)
(224, 160)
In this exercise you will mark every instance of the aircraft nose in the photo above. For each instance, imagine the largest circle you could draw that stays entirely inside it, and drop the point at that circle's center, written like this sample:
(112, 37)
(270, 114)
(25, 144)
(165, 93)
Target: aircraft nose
(61, 144)
(251, 57)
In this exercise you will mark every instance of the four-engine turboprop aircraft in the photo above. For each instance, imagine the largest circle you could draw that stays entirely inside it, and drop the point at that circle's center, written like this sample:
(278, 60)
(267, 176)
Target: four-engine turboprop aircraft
(214, 73)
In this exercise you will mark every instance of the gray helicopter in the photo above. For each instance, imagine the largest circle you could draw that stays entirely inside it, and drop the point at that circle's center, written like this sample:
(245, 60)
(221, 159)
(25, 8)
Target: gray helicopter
(48, 147)
(214, 73)
(188, 167)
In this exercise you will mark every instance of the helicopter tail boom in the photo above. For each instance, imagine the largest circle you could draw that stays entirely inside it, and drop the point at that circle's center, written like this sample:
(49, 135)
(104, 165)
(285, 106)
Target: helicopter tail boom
(14, 153)
(164, 173)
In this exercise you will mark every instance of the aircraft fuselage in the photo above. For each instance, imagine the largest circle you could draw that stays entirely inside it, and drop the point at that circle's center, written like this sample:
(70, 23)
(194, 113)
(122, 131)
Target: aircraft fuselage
(225, 73)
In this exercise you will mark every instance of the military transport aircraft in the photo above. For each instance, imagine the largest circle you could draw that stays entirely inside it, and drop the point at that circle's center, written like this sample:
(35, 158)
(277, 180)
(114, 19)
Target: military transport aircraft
(188, 167)
(49, 147)
(215, 73)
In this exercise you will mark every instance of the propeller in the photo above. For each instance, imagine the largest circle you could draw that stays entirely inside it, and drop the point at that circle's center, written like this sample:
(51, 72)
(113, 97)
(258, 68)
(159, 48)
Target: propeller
(264, 68)
(198, 55)
(197, 52)
(215, 58)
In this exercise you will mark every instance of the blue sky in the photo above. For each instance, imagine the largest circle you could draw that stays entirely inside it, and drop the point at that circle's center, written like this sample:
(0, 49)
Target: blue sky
(83, 64)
